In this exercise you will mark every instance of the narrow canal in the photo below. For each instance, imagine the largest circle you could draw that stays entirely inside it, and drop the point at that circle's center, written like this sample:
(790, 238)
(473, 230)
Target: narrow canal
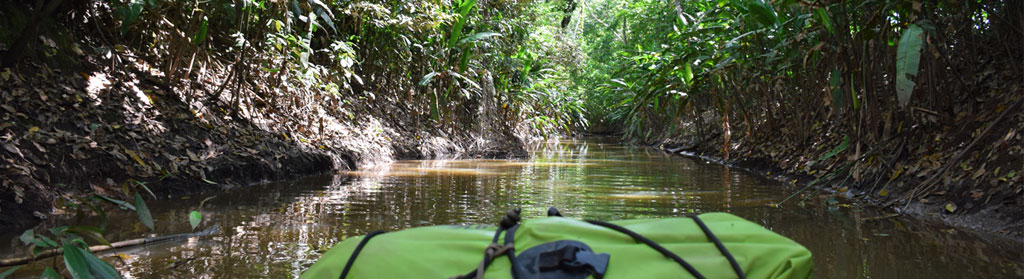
(278, 230)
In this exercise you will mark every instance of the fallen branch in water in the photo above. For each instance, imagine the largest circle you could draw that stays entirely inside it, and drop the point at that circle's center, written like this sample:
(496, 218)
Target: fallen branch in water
(115, 245)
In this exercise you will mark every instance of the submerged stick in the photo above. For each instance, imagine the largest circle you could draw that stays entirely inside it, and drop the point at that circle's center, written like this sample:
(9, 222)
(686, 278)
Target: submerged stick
(115, 245)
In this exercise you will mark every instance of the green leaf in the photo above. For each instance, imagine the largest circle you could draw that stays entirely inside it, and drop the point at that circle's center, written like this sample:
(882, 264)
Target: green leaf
(825, 20)
(465, 79)
(688, 74)
(43, 241)
(143, 211)
(99, 211)
(201, 36)
(463, 9)
(908, 58)
(840, 148)
(762, 12)
(121, 203)
(49, 273)
(132, 14)
(91, 232)
(427, 78)
(835, 82)
(100, 268)
(195, 218)
(9, 272)
(27, 237)
(83, 264)
(74, 260)
(478, 36)
(324, 12)
(144, 187)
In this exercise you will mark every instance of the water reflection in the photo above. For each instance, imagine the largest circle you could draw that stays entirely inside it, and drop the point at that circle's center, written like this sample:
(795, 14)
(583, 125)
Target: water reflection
(277, 230)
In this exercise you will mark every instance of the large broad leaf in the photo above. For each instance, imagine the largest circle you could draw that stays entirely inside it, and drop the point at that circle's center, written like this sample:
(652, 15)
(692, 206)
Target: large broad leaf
(463, 9)
(74, 260)
(143, 211)
(83, 264)
(324, 12)
(763, 13)
(100, 268)
(908, 58)
(131, 14)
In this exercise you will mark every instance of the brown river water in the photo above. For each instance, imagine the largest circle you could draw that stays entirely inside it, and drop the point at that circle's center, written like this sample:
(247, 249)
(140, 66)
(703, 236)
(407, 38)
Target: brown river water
(277, 230)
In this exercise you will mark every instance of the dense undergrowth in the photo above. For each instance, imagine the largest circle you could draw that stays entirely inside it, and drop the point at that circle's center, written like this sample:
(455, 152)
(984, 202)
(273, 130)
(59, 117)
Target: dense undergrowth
(901, 102)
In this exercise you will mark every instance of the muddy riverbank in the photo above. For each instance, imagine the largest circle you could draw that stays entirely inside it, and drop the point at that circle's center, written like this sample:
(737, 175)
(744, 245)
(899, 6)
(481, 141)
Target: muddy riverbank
(1003, 219)
(73, 133)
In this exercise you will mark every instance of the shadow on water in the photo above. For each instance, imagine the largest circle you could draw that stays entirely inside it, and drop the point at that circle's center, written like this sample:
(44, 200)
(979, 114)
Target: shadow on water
(277, 230)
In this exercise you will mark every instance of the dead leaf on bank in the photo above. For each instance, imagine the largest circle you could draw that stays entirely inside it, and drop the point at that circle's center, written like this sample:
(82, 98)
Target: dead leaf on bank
(39, 147)
(977, 194)
(978, 173)
(135, 157)
(13, 150)
(951, 207)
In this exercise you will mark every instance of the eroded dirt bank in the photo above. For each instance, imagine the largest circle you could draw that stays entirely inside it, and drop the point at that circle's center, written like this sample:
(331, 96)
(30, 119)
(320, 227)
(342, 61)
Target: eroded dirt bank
(966, 173)
(73, 133)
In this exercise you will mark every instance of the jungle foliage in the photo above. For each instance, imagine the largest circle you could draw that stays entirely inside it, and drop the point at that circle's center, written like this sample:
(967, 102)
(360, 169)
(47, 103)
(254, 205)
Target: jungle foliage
(866, 91)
